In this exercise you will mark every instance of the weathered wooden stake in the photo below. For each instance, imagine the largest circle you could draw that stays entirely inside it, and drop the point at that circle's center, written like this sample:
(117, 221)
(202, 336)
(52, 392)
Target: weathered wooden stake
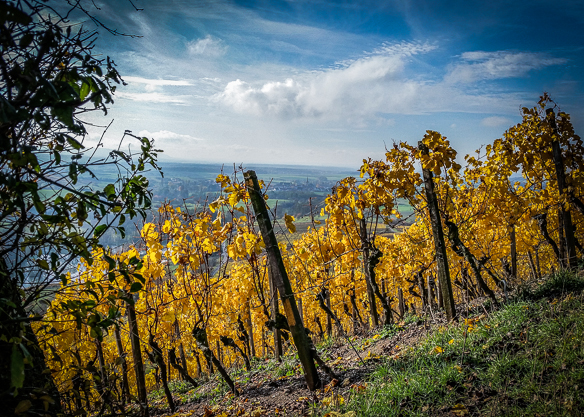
(562, 241)
(280, 277)
(441, 258)
(219, 358)
(513, 239)
(274, 309)
(537, 262)
(329, 321)
(122, 355)
(561, 178)
(300, 310)
(137, 357)
(401, 303)
(250, 331)
(389, 300)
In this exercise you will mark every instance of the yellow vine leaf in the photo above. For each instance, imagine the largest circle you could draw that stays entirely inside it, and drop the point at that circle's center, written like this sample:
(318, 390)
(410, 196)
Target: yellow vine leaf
(290, 223)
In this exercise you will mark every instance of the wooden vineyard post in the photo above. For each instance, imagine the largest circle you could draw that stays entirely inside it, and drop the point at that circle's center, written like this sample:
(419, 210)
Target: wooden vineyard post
(137, 356)
(250, 326)
(280, 278)
(513, 238)
(274, 308)
(122, 355)
(562, 240)
(438, 233)
(537, 262)
(329, 321)
(401, 303)
(300, 310)
(561, 177)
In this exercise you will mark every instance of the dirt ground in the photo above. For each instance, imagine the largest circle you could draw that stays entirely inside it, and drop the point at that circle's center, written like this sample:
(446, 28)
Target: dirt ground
(264, 395)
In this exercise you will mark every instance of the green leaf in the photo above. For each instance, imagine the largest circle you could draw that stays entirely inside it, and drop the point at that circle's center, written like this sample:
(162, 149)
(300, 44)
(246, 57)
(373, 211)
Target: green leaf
(99, 230)
(110, 262)
(85, 89)
(26, 353)
(39, 206)
(43, 264)
(136, 286)
(74, 143)
(16, 368)
(109, 190)
(65, 115)
(139, 278)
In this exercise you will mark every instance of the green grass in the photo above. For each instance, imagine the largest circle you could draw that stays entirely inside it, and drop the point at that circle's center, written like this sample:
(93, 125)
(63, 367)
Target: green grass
(525, 359)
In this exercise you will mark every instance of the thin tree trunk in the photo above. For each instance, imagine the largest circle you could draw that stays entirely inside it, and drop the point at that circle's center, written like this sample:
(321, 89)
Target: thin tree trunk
(227, 341)
(542, 223)
(537, 261)
(199, 368)
(356, 313)
(374, 256)
(461, 249)
(365, 247)
(282, 282)
(532, 265)
(200, 335)
(182, 370)
(324, 303)
(159, 361)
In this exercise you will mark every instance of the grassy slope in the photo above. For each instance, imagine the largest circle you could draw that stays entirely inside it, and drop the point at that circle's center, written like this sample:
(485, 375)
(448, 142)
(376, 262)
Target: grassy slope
(526, 358)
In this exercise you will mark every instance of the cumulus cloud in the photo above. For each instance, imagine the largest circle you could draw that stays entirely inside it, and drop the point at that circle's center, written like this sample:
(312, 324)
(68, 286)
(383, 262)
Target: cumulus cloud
(208, 46)
(496, 121)
(355, 91)
(480, 65)
(359, 87)
(167, 136)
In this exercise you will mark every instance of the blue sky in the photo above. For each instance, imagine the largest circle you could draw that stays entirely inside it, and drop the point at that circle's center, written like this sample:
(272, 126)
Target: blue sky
(333, 82)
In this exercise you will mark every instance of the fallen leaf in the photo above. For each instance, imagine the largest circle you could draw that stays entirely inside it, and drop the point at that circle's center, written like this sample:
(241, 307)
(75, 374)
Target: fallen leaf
(459, 410)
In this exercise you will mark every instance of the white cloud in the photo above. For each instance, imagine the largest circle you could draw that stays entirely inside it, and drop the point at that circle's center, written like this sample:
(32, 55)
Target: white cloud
(166, 136)
(359, 87)
(354, 91)
(496, 121)
(208, 46)
(153, 97)
(156, 82)
(480, 65)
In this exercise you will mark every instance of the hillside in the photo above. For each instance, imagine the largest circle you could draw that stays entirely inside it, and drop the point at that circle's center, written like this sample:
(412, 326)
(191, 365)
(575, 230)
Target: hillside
(524, 358)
